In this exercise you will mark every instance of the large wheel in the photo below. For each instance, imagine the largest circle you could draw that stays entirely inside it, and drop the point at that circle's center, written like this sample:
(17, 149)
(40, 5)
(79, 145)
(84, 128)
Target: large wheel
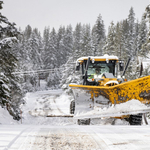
(84, 121)
(72, 107)
(135, 119)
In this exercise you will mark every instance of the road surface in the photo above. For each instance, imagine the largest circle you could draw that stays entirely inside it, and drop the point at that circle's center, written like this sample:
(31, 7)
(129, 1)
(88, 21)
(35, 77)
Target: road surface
(74, 137)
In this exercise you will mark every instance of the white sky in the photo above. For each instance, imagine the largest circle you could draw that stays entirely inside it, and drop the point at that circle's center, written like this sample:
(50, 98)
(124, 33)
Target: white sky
(54, 13)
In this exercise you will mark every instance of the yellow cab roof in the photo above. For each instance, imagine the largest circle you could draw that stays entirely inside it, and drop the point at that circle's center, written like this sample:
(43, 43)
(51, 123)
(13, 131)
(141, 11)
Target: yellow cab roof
(98, 58)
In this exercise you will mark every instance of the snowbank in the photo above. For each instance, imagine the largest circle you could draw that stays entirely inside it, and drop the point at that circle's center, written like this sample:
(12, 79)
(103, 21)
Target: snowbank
(6, 118)
(129, 107)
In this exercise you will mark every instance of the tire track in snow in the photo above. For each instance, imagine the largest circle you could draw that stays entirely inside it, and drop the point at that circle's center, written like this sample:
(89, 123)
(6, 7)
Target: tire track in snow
(29, 138)
(15, 139)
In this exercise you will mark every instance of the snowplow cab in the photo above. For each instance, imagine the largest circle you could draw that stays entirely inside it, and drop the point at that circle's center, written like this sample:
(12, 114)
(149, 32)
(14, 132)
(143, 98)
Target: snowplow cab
(101, 77)
(98, 71)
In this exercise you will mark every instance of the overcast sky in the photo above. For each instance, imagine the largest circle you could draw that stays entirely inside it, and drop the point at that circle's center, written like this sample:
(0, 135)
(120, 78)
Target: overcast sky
(54, 13)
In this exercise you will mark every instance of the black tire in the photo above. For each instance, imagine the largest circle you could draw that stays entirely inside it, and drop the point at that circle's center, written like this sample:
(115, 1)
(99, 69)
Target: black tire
(72, 107)
(135, 119)
(84, 121)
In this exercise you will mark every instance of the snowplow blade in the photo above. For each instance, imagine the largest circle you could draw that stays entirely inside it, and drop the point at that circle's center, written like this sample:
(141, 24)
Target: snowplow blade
(89, 98)
(136, 89)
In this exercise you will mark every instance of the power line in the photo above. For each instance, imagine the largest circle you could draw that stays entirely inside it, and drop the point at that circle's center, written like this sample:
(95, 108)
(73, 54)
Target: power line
(42, 71)
(38, 71)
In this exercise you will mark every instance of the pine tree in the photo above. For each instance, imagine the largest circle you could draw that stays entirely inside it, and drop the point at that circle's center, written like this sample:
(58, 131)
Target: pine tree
(119, 40)
(68, 41)
(69, 76)
(53, 79)
(50, 57)
(110, 41)
(131, 33)
(51, 61)
(98, 35)
(34, 46)
(9, 85)
(27, 32)
(62, 53)
(46, 56)
(86, 40)
(93, 40)
(137, 38)
(77, 35)
(146, 45)
(46, 38)
(25, 50)
(125, 31)
(142, 36)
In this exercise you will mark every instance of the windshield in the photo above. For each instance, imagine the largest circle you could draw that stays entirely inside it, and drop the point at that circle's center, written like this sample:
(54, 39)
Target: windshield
(101, 67)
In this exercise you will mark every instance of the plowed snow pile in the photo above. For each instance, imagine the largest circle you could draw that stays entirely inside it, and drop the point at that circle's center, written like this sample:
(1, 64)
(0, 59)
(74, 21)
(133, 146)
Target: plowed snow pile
(132, 106)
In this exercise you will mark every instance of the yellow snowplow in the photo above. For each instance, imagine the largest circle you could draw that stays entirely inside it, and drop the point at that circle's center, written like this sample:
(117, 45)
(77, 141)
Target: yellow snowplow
(103, 87)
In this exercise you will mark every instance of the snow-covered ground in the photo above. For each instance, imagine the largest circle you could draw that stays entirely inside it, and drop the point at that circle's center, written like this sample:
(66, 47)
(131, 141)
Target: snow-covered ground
(37, 132)
(38, 106)
(47, 137)
(52, 103)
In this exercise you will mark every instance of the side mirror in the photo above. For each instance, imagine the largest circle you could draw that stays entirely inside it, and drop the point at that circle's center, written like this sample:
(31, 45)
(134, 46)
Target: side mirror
(121, 66)
(141, 69)
(78, 67)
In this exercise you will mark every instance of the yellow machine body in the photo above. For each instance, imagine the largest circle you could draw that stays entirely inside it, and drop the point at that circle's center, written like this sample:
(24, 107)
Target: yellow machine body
(107, 89)
(136, 89)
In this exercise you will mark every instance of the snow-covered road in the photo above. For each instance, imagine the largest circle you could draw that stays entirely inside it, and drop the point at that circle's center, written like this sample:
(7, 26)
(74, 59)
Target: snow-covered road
(24, 137)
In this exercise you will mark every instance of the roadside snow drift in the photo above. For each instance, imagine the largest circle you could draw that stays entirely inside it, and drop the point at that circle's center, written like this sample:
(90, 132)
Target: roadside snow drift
(129, 107)
(6, 118)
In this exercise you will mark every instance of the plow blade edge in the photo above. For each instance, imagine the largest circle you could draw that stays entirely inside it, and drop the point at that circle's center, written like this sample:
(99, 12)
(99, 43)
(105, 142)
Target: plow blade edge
(136, 89)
